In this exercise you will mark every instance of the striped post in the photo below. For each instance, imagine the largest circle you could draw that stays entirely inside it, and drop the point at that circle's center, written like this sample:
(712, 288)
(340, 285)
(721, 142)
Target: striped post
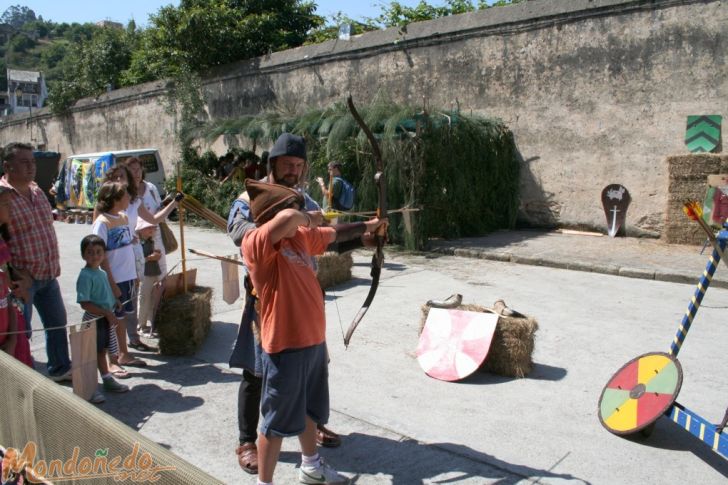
(698, 427)
(703, 284)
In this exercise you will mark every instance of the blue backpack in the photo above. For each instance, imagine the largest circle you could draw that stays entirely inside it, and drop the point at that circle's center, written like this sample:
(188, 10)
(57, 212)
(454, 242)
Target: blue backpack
(346, 197)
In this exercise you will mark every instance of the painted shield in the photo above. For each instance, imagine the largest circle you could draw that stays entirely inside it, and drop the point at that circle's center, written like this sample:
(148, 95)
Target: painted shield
(615, 200)
(640, 392)
(454, 343)
(703, 133)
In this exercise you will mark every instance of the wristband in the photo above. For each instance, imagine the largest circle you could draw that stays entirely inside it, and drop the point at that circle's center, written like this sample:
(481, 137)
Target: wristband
(308, 219)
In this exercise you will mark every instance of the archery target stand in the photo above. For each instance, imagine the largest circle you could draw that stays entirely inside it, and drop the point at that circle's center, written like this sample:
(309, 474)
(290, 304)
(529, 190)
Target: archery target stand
(647, 386)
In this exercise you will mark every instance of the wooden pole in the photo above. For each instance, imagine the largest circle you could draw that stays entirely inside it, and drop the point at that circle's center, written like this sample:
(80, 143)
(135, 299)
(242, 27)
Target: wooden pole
(181, 212)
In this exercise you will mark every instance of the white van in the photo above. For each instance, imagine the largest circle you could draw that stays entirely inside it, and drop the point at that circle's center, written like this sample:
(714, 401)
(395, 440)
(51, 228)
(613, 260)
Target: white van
(79, 175)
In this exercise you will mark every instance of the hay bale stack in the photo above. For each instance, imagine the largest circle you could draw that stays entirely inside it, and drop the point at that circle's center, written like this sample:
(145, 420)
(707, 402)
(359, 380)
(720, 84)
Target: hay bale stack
(513, 343)
(688, 180)
(183, 321)
(334, 269)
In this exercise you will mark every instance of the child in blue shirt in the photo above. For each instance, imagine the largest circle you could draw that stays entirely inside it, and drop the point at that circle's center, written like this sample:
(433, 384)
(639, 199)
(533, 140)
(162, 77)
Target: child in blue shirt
(94, 293)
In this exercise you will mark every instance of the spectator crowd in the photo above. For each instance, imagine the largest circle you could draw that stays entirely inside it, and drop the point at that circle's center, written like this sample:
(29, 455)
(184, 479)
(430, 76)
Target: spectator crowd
(124, 259)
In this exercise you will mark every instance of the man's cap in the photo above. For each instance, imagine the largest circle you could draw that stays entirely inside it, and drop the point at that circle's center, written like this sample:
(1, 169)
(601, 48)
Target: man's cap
(266, 200)
(289, 144)
(334, 165)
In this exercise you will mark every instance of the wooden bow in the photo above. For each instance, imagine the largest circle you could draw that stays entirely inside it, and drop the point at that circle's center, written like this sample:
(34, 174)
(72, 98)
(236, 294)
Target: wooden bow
(378, 257)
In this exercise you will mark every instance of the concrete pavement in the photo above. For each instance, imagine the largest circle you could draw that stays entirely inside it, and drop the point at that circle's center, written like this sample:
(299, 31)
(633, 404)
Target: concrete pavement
(402, 427)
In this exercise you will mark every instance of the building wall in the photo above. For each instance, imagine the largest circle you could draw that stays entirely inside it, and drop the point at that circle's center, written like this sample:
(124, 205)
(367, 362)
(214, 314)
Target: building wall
(595, 91)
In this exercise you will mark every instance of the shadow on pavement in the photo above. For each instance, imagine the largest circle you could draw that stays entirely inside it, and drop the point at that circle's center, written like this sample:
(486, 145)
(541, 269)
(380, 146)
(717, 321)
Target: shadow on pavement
(540, 372)
(669, 436)
(136, 406)
(409, 461)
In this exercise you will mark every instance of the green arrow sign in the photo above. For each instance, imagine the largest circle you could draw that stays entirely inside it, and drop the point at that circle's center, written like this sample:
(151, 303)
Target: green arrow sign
(703, 133)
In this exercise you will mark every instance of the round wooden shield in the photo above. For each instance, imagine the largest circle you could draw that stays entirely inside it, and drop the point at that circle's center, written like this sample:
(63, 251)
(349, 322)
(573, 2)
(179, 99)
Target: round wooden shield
(640, 392)
(454, 343)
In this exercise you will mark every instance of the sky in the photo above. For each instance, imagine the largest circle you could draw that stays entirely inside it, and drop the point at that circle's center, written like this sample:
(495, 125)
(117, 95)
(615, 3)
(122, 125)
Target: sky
(124, 10)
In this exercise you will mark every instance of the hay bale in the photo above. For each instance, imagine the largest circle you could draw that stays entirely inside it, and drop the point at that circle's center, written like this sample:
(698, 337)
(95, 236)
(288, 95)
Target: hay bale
(183, 321)
(333, 269)
(513, 343)
(688, 180)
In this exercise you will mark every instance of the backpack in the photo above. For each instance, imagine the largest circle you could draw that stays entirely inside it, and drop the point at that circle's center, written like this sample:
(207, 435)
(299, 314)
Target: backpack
(346, 197)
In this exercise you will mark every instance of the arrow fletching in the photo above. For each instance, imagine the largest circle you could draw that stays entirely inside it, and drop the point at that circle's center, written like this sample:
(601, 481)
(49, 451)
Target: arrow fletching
(693, 210)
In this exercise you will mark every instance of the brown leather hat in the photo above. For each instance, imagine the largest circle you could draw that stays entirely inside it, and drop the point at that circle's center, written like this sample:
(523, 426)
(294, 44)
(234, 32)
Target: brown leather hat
(266, 200)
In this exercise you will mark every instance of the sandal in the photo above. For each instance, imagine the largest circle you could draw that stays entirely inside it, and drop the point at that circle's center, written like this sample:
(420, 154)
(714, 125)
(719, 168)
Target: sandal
(326, 437)
(248, 457)
(119, 373)
(134, 363)
(142, 346)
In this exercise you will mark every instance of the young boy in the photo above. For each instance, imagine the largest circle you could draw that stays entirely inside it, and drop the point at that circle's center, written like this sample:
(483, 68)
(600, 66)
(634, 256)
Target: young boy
(295, 394)
(96, 298)
(152, 276)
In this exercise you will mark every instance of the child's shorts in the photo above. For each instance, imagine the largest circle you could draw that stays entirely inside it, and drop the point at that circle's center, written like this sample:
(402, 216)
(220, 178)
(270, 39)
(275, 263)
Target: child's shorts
(295, 385)
(102, 331)
(102, 334)
(128, 293)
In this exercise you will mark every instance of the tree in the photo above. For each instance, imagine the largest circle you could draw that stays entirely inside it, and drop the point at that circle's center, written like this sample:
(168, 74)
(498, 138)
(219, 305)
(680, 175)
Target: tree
(394, 14)
(398, 15)
(17, 16)
(200, 34)
(91, 67)
(330, 30)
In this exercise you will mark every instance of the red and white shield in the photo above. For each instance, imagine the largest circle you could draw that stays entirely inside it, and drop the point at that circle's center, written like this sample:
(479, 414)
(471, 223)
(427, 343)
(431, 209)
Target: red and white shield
(454, 343)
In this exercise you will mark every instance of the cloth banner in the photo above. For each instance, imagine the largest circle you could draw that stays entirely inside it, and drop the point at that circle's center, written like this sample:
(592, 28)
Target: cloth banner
(230, 281)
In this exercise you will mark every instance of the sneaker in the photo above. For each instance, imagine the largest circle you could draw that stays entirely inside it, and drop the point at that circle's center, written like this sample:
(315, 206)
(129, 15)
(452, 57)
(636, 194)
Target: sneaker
(97, 398)
(66, 376)
(111, 385)
(323, 473)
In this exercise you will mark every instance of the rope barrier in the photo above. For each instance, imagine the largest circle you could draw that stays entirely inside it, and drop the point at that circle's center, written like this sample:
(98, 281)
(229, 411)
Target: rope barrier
(84, 322)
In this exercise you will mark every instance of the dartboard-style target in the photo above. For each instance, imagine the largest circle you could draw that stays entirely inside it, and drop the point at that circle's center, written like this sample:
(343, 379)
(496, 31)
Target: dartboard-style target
(640, 392)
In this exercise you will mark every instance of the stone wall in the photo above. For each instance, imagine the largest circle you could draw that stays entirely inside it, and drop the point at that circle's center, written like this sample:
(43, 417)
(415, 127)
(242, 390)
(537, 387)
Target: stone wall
(595, 91)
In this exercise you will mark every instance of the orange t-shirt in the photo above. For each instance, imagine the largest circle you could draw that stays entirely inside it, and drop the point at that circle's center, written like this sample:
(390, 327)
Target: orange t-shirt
(291, 304)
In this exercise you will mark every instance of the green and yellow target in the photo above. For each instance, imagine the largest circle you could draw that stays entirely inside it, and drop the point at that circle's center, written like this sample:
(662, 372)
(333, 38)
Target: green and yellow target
(640, 392)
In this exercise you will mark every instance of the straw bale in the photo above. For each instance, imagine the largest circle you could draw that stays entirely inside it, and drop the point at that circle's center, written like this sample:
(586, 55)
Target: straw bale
(513, 343)
(183, 321)
(333, 268)
(688, 180)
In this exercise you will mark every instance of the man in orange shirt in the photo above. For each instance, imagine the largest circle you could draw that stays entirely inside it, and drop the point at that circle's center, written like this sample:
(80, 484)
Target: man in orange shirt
(295, 369)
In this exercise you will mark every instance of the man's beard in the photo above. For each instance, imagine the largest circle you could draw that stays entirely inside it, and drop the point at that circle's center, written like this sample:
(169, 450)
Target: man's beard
(287, 180)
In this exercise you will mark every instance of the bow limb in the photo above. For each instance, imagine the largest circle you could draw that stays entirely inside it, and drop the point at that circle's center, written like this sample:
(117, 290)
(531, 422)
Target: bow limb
(378, 257)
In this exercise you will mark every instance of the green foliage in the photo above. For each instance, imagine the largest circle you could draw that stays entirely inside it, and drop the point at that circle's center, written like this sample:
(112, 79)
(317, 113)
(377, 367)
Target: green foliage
(21, 43)
(200, 34)
(17, 16)
(198, 182)
(330, 29)
(398, 15)
(90, 67)
(395, 14)
(461, 170)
